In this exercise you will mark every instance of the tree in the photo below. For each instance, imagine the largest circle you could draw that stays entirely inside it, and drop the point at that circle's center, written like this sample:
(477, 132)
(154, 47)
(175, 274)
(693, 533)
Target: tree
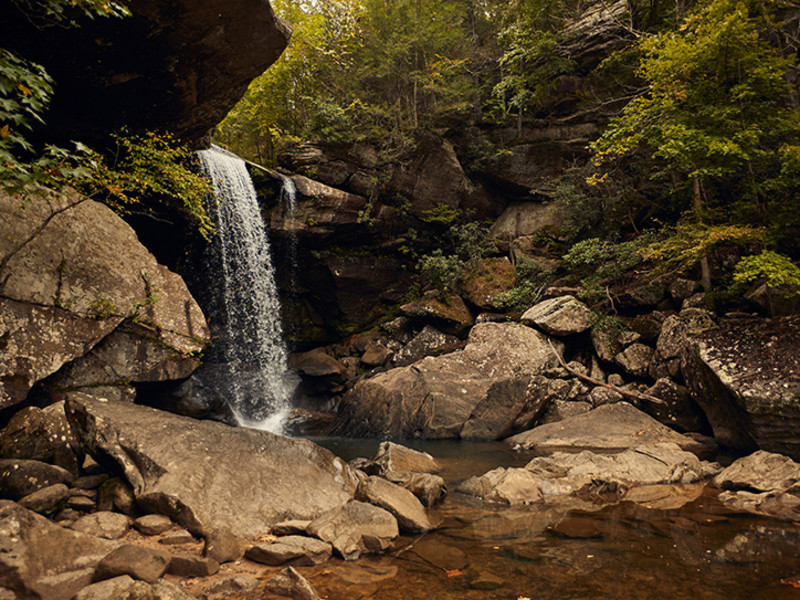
(715, 112)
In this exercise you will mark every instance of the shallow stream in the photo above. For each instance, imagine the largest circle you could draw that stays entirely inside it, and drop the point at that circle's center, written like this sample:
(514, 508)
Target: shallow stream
(582, 550)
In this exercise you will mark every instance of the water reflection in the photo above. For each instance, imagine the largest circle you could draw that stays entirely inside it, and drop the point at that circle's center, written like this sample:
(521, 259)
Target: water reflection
(669, 542)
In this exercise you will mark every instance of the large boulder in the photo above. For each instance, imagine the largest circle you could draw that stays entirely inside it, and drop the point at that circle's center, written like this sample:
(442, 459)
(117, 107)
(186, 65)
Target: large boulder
(611, 427)
(437, 396)
(178, 66)
(207, 475)
(746, 377)
(41, 560)
(71, 271)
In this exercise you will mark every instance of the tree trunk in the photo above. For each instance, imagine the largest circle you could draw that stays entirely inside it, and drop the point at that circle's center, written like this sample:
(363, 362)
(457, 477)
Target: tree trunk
(697, 200)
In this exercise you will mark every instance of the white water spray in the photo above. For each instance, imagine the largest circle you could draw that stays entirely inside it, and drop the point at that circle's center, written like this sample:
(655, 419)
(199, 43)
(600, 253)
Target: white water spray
(249, 348)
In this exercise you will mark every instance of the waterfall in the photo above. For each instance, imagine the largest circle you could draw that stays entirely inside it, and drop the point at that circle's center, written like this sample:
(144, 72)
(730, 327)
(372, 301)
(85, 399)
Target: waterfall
(289, 200)
(248, 354)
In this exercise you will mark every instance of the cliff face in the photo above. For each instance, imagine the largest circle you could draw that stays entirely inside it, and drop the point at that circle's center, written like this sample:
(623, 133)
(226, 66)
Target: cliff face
(177, 65)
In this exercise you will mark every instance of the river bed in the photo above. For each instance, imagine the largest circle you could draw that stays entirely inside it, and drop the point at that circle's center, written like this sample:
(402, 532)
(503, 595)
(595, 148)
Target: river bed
(576, 550)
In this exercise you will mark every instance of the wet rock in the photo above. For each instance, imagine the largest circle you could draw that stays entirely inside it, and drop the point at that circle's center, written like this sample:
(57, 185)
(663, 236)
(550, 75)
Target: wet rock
(578, 527)
(230, 586)
(189, 565)
(103, 524)
(760, 545)
(40, 434)
(137, 561)
(450, 315)
(435, 397)
(290, 584)
(429, 489)
(746, 378)
(152, 524)
(292, 527)
(122, 587)
(176, 538)
(611, 427)
(428, 342)
(486, 581)
(43, 560)
(166, 459)
(355, 529)
(20, 477)
(664, 496)
(45, 499)
(400, 502)
(316, 363)
(305, 422)
(778, 505)
(445, 556)
(589, 474)
(222, 546)
(564, 315)
(635, 359)
(291, 549)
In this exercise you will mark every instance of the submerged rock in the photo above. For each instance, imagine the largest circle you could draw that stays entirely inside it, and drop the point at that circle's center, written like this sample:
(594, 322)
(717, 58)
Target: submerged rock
(617, 426)
(207, 475)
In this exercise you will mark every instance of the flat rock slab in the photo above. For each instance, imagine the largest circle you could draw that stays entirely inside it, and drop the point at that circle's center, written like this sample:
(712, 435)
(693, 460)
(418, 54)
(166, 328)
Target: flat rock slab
(189, 565)
(397, 458)
(355, 529)
(294, 550)
(589, 474)
(207, 475)
(152, 524)
(610, 427)
(45, 499)
(103, 524)
(176, 538)
(43, 560)
(405, 507)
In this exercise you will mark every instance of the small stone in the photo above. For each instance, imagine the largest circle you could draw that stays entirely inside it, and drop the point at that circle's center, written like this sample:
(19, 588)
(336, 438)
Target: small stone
(231, 586)
(222, 546)
(45, 499)
(174, 538)
(116, 494)
(603, 395)
(486, 581)
(188, 565)
(291, 584)
(293, 549)
(138, 562)
(294, 526)
(123, 587)
(81, 503)
(153, 524)
(103, 524)
(90, 482)
(166, 590)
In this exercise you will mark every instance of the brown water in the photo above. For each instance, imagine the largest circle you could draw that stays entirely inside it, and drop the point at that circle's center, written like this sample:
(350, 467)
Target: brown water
(577, 551)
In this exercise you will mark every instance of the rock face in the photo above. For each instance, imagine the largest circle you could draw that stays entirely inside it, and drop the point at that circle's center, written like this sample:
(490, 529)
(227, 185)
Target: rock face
(179, 66)
(436, 397)
(71, 272)
(589, 473)
(746, 378)
(609, 427)
(43, 560)
(207, 475)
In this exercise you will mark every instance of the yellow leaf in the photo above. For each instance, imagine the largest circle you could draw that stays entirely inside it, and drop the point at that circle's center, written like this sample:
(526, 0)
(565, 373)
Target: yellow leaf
(4, 131)
(26, 91)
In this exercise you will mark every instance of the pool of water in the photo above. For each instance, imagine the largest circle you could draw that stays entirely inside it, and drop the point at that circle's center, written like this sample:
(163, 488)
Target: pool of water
(575, 550)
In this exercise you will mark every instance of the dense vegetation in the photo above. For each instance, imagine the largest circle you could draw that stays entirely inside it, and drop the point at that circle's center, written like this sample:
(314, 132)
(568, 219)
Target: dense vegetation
(699, 150)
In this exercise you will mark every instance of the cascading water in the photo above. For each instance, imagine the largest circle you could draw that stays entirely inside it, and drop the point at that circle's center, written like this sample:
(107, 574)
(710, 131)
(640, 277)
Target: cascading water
(249, 356)
(289, 200)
